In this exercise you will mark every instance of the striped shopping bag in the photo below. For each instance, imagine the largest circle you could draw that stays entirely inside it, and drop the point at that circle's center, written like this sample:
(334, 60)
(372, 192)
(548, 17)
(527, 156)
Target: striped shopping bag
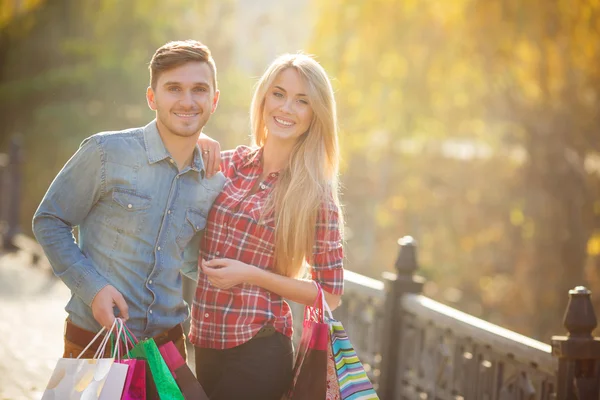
(327, 367)
(351, 376)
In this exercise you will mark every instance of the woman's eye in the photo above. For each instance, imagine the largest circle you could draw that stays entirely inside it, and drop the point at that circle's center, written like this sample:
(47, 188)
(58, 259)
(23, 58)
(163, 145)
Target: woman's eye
(277, 94)
(303, 102)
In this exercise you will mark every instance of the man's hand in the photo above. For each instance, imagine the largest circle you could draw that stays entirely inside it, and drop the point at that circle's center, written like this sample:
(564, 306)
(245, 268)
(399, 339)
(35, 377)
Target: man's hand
(103, 303)
(211, 154)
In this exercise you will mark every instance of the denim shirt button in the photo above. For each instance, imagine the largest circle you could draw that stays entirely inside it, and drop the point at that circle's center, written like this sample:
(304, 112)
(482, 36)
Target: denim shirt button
(129, 206)
(158, 248)
(150, 311)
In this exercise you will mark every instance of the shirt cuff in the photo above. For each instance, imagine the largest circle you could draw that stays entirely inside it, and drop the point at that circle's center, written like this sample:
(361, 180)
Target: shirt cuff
(84, 281)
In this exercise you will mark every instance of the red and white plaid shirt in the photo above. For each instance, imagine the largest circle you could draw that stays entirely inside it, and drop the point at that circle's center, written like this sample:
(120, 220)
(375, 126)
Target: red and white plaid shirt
(222, 319)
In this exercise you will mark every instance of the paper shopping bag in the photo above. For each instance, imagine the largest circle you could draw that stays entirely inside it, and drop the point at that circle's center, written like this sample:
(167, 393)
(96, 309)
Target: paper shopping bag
(161, 376)
(351, 376)
(310, 369)
(75, 379)
(187, 382)
(87, 379)
(135, 384)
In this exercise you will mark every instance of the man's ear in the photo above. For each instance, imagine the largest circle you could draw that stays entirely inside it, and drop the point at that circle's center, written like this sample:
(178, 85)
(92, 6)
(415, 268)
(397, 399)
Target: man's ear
(150, 98)
(215, 101)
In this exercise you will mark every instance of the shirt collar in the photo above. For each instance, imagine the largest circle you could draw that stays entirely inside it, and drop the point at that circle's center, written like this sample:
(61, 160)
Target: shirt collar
(155, 147)
(197, 161)
(254, 158)
(156, 150)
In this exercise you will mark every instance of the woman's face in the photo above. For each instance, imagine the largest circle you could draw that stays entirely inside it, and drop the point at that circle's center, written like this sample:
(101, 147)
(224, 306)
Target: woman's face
(287, 112)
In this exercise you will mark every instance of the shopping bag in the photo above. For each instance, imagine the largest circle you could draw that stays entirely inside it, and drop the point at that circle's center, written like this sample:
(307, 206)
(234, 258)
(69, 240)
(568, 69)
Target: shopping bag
(161, 376)
(350, 381)
(135, 382)
(310, 368)
(94, 379)
(352, 378)
(187, 382)
(115, 381)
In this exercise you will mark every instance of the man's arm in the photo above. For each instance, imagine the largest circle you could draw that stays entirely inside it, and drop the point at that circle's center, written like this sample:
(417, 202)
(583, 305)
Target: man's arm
(71, 196)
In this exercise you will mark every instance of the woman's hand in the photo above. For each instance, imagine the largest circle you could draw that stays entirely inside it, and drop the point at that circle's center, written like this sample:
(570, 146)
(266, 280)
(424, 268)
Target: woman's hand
(211, 154)
(225, 273)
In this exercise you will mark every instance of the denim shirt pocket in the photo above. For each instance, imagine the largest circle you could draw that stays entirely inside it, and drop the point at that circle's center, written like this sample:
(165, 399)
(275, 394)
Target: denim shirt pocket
(195, 221)
(128, 210)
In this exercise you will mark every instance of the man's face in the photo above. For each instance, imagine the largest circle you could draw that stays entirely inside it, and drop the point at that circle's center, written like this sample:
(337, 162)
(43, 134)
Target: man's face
(184, 99)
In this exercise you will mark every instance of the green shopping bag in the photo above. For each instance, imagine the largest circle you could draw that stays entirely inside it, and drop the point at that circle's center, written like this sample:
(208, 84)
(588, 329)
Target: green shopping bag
(161, 375)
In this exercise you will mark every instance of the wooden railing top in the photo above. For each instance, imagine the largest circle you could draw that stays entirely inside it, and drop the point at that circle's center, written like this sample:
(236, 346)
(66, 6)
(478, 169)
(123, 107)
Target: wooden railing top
(499, 339)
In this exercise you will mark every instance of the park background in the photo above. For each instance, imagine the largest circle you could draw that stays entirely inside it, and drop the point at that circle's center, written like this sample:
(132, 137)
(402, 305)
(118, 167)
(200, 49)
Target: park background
(471, 125)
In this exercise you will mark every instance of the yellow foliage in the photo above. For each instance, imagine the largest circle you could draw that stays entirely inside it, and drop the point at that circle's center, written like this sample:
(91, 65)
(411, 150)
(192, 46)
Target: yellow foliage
(593, 245)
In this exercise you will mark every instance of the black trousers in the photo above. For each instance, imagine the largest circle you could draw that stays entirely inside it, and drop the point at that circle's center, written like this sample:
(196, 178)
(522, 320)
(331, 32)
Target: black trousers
(259, 369)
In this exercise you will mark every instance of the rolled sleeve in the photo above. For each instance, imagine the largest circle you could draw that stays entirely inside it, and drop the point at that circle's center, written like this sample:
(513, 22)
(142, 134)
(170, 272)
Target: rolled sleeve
(72, 194)
(328, 252)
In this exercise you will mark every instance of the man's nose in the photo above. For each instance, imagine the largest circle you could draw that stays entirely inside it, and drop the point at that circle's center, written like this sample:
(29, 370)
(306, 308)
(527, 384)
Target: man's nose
(187, 99)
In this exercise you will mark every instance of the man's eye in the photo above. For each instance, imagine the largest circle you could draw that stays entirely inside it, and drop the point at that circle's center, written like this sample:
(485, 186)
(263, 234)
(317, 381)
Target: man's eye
(200, 89)
(173, 89)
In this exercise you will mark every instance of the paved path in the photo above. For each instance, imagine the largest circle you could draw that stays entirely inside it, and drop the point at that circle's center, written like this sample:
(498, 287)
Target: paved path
(31, 326)
(32, 319)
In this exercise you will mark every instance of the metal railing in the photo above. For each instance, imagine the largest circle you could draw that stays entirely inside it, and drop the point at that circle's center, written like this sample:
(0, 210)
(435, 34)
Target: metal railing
(413, 347)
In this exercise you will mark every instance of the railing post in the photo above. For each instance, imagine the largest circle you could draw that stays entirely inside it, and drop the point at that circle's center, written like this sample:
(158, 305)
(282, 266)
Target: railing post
(13, 191)
(578, 353)
(395, 287)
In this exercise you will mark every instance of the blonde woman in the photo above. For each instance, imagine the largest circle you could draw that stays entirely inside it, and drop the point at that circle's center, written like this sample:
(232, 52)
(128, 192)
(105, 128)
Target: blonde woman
(277, 218)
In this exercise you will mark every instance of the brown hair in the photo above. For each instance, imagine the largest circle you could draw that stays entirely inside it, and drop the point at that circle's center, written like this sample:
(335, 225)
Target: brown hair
(177, 53)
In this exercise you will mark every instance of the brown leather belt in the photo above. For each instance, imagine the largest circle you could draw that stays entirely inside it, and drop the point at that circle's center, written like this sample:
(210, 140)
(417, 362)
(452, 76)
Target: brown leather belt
(83, 337)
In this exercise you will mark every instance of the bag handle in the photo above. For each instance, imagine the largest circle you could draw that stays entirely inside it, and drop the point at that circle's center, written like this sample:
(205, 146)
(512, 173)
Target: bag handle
(324, 304)
(102, 348)
(94, 339)
(316, 311)
(123, 338)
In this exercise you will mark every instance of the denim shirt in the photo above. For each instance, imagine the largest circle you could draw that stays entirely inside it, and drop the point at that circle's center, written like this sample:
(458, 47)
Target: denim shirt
(140, 223)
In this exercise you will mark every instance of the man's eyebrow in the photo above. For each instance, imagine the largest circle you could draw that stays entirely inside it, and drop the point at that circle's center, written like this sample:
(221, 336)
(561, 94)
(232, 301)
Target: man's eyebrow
(283, 90)
(179, 83)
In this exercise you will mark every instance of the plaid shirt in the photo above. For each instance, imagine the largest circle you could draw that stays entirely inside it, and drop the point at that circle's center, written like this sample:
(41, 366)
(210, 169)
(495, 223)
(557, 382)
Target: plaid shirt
(223, 319)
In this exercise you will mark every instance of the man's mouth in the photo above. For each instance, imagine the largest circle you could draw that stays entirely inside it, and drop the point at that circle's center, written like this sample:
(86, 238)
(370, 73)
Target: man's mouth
(187, 115)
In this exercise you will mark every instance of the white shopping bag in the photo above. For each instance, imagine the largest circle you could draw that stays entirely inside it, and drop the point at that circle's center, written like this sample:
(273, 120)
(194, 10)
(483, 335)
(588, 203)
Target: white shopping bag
(87, 379)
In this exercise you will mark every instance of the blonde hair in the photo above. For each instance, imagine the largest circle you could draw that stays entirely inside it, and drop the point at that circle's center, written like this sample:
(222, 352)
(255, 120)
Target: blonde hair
(310, 179)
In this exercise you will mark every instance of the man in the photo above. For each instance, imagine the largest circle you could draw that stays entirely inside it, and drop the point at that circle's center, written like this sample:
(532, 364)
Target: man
(140, 198)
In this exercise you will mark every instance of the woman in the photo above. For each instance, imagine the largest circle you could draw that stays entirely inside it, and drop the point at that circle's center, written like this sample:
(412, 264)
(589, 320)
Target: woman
(277, 218)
